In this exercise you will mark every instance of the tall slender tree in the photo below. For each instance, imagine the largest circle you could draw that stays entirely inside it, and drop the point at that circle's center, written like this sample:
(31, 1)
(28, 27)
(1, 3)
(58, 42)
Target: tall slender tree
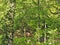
(38, 22)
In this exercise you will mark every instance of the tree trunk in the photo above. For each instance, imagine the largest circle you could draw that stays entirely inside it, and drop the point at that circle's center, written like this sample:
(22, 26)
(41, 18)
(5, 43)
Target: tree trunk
(10, 40)
(45, 34)
(38, 23)
(11, 14)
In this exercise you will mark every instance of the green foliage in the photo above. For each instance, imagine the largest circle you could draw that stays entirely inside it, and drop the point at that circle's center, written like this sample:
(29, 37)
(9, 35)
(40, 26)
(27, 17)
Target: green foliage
(39, 18)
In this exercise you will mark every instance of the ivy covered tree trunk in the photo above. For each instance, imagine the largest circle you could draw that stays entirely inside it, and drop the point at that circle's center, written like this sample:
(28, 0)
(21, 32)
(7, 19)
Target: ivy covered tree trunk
(11, 14)
(9, 22)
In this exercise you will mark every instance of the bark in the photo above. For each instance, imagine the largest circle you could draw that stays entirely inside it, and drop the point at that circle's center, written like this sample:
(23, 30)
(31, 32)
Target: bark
(24, 32)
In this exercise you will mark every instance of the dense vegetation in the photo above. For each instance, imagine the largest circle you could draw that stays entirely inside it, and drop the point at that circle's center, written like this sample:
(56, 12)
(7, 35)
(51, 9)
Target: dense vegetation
(29, 22)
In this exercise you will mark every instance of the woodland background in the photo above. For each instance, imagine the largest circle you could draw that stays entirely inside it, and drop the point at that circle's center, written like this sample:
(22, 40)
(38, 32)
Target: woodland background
(29, 22)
